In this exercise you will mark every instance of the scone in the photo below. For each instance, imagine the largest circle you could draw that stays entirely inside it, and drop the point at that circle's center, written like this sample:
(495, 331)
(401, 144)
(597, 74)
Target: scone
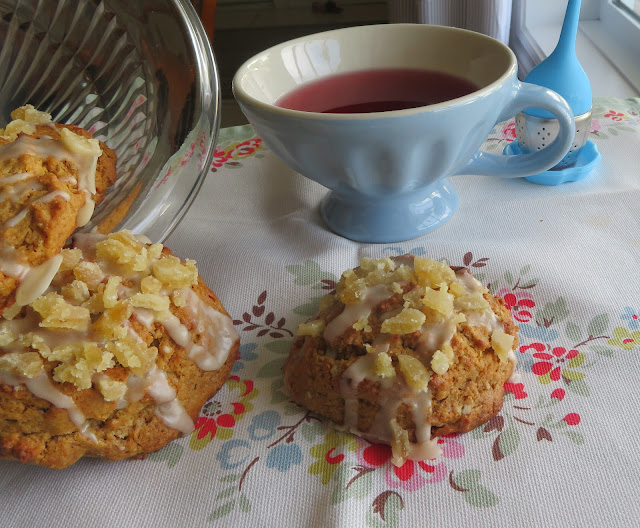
(51, 177)
(406, 349)
(115, 360)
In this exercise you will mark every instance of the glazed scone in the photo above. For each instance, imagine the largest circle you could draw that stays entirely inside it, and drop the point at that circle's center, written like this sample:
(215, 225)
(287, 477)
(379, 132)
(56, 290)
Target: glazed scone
(51, 177)
(115, 360)
(406, 349)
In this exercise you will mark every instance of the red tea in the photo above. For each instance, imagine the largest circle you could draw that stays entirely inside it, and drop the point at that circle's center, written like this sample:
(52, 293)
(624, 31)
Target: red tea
(376, 91)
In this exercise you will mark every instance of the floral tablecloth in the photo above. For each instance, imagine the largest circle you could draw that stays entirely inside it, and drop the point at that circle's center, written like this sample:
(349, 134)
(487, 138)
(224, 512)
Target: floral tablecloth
(564, 451)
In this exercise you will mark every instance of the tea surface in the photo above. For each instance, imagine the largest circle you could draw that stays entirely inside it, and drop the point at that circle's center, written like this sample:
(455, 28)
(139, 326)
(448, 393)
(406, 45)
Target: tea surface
(379, 90)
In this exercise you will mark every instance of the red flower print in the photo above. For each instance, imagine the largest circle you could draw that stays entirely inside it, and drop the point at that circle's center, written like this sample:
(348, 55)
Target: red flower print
(572, 419)
(520, 303)
(558, 393)
(552, 366)
(509, 131)
(517, 389)
(539, 347)
(217, 419)
(333, 459)
(616, 116)
(412, 475)
(219, 158)
(246, 148)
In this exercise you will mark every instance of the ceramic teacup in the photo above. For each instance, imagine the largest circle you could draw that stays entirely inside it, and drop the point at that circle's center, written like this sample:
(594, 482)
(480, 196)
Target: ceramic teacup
(388, 171)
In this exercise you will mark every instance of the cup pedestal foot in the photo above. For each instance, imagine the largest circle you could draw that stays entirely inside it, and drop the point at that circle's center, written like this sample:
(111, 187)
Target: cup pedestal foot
(389, 219)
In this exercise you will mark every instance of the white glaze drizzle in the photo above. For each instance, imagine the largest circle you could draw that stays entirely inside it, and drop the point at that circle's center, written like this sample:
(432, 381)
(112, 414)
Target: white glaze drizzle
(352, 313)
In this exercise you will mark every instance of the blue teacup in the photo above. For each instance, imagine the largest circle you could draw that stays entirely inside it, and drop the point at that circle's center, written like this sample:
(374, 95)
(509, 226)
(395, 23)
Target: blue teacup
(388, 171)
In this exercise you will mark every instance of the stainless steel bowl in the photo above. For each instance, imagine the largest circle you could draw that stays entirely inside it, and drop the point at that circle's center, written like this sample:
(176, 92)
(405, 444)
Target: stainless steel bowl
(140, 75)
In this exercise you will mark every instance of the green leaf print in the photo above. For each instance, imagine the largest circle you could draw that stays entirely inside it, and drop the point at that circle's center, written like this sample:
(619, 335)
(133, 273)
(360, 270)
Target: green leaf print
(552, 312)
(509, 440)
(602, 350)
(271, 369)
(171, 454)
(227, 492)
(280, 346)
(573, 375)
(525, 270)
(386, 507)
(244, 503)
(230, 478)
(576, 438)
(576, 362)
(508, 277)
(481, 497)
(598, 325)
(578, 387)
(467, 479)
(573, 332)
(222, 511)
(277, 395)
(309, 309)
(308, 273)
(352, 485)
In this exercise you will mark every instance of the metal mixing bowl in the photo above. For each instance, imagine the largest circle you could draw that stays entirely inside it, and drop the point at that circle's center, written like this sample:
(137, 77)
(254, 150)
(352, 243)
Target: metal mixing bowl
(140, 75)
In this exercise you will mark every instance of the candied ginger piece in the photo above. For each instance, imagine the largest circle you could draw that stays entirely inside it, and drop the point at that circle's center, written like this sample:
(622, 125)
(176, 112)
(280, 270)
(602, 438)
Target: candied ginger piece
(151, 301)
(431, 273)
(35, 341)
(75, 292)
(383, 366)
(88, 272)
(174, 274)
(110, 294)
(179, 298)
(11, 312)
(439, 362)
(111, 390)
(86, 359)
(407, 321)
(439, 300)
(362, 324)
(415, 373)
(111, 323)
(150, 285)
(6, 335)
(400, 445)
(311, 328)
(57, 313)
(502, 343)
(472, 302)
(133, 354)
(125, 250)
(30, 114)
(28, 364)
(70, 259)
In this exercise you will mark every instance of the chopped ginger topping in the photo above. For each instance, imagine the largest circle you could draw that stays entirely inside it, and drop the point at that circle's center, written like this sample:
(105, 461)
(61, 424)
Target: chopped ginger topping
(28, 364)
(95, 309)
(407, 321)
(312, 328)
(415, 373)
(384, 366)
(502, 343)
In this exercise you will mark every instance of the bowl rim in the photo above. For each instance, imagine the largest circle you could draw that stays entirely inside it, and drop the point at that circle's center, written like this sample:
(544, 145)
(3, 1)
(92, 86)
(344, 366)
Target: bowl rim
(242, 96)
(209, 91)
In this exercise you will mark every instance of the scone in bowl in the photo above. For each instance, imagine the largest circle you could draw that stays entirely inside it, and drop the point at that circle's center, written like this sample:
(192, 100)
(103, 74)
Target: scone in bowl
(140, 76)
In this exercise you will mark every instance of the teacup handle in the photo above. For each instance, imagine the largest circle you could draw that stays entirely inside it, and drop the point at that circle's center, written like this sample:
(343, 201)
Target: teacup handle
(521, 165)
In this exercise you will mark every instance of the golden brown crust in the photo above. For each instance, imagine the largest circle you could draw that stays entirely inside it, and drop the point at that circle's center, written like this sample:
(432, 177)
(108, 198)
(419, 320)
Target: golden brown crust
(34, 431)
(467, 395)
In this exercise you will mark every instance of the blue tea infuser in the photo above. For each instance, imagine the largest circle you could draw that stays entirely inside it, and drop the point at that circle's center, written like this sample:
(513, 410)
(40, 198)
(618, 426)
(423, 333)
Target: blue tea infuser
(535, 128)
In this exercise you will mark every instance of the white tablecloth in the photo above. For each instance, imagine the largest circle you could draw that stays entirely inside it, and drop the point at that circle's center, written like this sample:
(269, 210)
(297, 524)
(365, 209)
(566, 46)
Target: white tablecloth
(564, 449)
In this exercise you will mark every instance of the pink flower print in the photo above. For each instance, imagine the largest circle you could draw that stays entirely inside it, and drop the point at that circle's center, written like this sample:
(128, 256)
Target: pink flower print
(412, 475)
(595, 126)
(572, 419)
(520, 303)
(509, 131)
(616, 116)
(517, 389)
(553, 366)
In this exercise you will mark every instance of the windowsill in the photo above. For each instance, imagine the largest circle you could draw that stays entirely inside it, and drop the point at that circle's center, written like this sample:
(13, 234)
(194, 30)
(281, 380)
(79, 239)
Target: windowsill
(268, 16)
(593, 48)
